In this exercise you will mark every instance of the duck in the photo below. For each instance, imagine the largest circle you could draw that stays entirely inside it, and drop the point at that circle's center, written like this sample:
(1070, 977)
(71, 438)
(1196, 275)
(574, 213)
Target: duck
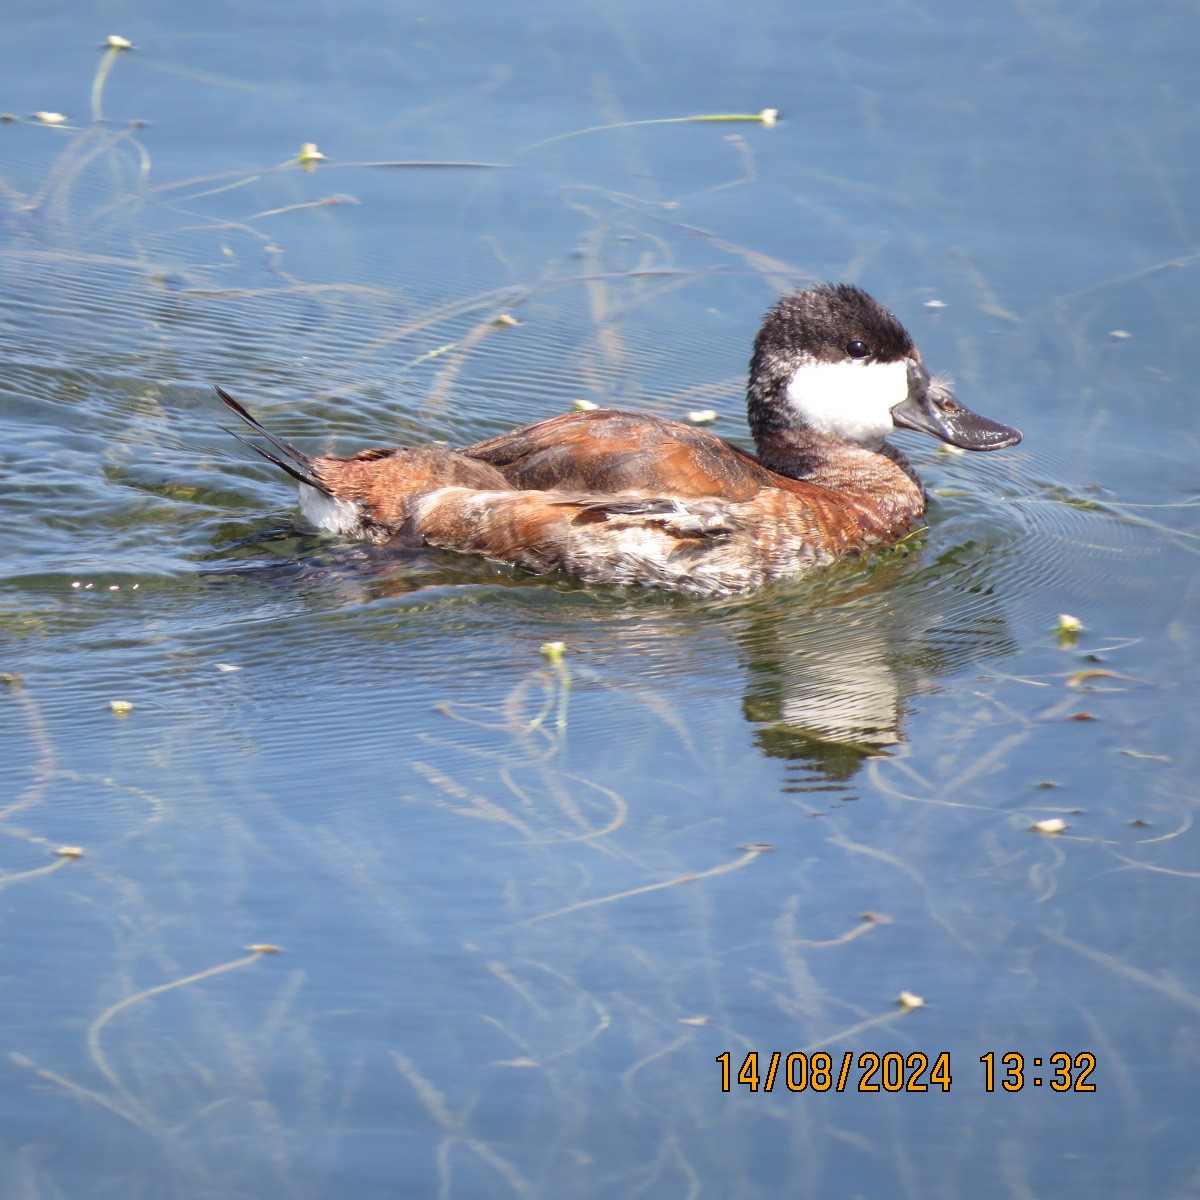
(618, 497)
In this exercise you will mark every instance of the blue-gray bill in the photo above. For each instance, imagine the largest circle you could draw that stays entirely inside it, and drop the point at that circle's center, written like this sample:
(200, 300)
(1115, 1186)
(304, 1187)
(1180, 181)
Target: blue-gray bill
(932, 408)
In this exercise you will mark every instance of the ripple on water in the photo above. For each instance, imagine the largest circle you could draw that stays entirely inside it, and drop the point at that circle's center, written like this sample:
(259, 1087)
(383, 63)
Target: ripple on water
(1038, 536)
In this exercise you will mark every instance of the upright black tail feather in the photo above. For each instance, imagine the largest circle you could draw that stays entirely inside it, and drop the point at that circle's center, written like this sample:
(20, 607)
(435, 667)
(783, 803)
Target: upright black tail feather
(289, 459)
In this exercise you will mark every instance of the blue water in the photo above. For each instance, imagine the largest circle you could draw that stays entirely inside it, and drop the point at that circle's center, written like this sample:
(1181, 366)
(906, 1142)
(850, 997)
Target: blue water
(521, 908)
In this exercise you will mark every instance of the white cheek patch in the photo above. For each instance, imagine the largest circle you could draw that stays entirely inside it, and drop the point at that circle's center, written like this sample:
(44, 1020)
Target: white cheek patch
(852, 400)
(336, 516)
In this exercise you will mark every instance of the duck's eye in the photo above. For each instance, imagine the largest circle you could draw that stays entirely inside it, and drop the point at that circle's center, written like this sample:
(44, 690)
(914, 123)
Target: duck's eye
(857, 349)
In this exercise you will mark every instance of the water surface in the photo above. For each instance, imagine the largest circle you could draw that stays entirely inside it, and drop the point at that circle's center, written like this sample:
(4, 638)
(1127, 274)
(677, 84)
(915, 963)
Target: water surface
(522, 907)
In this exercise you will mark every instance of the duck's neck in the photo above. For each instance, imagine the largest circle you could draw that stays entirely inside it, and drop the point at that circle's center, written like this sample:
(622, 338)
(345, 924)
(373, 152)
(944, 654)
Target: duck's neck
(880, 480)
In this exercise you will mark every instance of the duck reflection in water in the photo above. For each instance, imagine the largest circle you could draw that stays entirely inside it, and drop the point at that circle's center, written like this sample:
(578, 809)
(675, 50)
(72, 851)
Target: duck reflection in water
(830, 682)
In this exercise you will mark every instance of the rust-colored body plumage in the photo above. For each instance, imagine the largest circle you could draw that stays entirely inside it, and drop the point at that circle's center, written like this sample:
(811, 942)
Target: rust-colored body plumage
(619, 497)
(691, 513)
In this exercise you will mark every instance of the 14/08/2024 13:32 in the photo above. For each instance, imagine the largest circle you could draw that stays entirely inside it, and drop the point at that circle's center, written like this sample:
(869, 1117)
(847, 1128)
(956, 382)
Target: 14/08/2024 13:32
(895, 1072)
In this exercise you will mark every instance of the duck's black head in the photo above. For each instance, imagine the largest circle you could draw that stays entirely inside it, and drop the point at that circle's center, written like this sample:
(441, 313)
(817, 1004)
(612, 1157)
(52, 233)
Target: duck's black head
(833, 360)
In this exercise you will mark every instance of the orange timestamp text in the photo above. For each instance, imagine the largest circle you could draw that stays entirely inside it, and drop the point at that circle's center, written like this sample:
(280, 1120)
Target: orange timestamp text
(821, 1071)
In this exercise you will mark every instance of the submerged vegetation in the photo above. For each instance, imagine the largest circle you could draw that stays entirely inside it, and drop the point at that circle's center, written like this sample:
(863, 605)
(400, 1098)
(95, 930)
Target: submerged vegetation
(332, 870)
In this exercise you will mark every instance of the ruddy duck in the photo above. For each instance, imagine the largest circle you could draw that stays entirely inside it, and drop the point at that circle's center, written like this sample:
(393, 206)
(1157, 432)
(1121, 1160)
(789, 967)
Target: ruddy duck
(622, 497)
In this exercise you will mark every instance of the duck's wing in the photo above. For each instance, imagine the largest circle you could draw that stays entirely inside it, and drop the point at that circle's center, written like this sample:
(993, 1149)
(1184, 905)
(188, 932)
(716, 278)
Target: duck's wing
(607, 451)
